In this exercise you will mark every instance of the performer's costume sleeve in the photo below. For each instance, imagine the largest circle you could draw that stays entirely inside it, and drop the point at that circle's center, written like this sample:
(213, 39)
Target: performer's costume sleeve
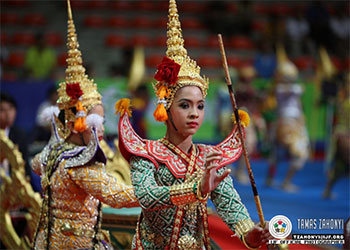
(228, 204)
(96, 182)
(154, 196)
(149, 193)
(36, 165)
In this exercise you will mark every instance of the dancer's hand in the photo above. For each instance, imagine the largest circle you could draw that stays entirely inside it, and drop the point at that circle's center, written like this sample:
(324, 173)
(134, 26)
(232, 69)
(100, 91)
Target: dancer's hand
(211, 178)
(258, 235)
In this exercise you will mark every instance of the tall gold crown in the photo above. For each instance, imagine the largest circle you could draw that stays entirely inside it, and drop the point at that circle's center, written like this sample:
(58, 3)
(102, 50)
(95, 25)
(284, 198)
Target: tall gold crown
(77, 79)
(75, 73)
(189, 73)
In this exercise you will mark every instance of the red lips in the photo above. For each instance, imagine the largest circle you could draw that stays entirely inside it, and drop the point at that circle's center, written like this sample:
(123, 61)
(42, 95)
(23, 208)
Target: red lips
(192, 124)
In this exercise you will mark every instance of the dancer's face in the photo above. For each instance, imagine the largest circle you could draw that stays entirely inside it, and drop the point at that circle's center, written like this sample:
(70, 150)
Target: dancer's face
(187, 111)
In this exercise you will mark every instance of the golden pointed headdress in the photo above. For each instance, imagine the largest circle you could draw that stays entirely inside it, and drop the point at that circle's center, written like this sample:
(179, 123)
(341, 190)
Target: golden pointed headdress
(137, 69)
(77, 91)
(285, 68)
(327, 68)
(183, 70)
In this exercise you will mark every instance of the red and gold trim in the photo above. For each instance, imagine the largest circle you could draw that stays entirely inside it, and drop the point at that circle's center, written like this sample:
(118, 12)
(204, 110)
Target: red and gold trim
(182, 194)
(130, 143)
(176, 228)
(138, 243)
(204, 211)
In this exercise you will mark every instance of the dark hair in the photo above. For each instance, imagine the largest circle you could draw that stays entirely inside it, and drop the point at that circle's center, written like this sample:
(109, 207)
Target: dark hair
(62, 114)
(7, 98)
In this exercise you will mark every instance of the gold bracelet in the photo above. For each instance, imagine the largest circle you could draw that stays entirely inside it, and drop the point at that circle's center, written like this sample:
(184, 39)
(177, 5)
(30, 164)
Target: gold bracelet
(199, 195)
(181, 194)
(246, 244)
(243, 227)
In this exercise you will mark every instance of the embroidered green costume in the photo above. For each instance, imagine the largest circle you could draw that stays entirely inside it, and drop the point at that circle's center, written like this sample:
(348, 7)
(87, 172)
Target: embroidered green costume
(159, 166)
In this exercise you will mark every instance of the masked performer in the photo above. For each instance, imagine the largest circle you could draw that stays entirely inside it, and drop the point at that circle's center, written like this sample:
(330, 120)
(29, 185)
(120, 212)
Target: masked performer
(289, 130)
(170, 175)
(71, 166)
(340, 157)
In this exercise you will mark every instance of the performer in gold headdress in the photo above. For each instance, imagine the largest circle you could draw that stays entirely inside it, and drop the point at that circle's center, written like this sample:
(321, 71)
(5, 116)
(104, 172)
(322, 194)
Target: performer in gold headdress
(173, 177)
(336, 95)
(71, 166)
(340, 158)
(290, 129)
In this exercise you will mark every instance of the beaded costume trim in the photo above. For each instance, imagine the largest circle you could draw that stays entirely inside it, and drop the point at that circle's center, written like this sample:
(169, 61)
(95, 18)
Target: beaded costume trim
(79, 155)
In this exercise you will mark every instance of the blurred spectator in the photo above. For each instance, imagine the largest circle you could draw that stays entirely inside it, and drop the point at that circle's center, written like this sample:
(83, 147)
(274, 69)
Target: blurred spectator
(318, 18)
(297, 30)
(265, 60)
(3, 57)
(275, 31)
(122, 69)
(218, 21)
(242, 20)
(40, 60)
(340, 26)
(8, 112)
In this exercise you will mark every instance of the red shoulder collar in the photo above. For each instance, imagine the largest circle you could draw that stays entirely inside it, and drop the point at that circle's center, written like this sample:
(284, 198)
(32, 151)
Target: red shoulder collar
(131, 144)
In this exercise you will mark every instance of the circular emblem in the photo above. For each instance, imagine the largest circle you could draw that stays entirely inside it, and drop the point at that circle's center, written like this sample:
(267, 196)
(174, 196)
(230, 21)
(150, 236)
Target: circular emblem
(280, 227)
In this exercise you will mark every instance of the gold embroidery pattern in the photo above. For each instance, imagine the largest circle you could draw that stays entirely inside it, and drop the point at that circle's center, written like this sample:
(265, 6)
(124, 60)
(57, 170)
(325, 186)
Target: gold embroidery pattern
(74, 213)
(182, 194)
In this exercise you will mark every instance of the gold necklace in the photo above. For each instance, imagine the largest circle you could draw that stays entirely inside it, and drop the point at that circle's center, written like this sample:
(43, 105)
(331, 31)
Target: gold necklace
(191, 161)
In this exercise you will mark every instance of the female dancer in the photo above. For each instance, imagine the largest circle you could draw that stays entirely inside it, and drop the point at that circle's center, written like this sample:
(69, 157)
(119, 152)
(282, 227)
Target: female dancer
(170, 175)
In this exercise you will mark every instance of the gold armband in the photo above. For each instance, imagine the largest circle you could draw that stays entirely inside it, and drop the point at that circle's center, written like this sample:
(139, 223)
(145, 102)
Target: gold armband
(243, 227)
(182, 194)
(199, 194)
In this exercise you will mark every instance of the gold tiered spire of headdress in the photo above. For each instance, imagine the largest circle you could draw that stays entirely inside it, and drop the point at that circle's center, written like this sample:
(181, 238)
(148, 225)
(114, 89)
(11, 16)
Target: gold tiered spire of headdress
(175, 41)
(77, 91)
(75, 73)
(189, 72)
(187, 75)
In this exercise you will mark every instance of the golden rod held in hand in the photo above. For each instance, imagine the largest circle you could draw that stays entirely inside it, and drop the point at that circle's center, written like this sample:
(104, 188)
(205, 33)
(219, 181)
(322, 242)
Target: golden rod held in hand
(245, 152)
